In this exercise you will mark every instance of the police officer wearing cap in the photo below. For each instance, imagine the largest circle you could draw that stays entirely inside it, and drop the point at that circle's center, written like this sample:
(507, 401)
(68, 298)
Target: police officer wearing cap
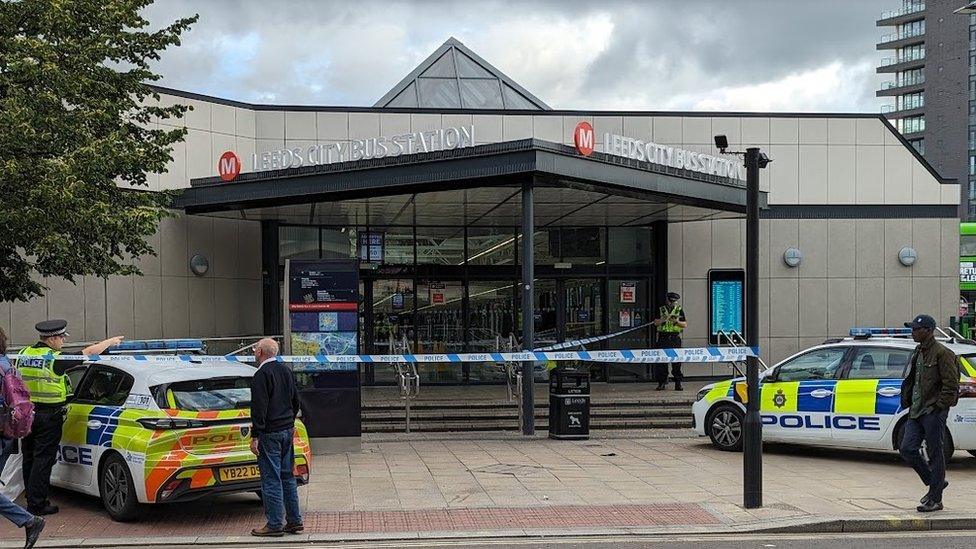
(670, 323)
(48, 386)
(928, 391)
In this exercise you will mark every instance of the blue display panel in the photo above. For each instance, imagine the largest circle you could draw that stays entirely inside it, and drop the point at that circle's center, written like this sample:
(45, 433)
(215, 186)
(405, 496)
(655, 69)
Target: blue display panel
(726, 304)
(323, 310)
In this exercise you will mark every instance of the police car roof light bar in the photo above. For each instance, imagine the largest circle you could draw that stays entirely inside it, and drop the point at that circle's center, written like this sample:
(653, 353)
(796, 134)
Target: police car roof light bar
(158, 346)
(891, 332)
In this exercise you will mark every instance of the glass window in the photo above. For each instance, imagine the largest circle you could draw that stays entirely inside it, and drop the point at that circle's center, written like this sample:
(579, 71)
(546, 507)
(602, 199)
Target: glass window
(631, 245)
(440, 245)
(206, 395)
(104, 386)
(491, 314)
(298, 243)
(967, 245)
(817, 364)
(878, 363)
(577, 245)
(338, 242)
(440, 327)
(491, 245)
(396, 244)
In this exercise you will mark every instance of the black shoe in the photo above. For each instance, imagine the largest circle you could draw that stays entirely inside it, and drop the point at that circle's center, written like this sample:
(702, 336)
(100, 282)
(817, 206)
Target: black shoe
(33, 529)
(294, 528)
(929, 506)
(46, 509)
(925, 498)
(678, 387)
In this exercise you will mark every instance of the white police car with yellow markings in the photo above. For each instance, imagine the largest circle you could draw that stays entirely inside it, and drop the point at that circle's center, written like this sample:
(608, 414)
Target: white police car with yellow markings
(139, 432)
(844, 393)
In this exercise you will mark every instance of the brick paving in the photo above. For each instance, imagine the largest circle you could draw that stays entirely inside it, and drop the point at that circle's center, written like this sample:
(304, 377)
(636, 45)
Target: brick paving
(663, 480)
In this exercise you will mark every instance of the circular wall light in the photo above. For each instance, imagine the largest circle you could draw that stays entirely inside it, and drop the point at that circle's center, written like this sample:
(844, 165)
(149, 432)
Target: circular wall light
(792, 257)
(199, 264)
(907, 256)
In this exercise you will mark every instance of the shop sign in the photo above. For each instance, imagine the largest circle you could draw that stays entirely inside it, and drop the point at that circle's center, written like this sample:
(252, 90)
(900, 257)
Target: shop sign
(362, 149)
(967, 272)
(672, 157)
(628, 292)
(229, 166)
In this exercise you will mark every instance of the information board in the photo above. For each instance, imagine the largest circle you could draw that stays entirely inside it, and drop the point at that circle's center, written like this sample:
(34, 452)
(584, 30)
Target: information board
(323, 310)
(726, 303)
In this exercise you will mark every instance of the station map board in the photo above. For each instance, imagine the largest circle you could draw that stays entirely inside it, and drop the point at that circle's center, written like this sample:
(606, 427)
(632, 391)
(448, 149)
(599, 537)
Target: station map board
(726, 303)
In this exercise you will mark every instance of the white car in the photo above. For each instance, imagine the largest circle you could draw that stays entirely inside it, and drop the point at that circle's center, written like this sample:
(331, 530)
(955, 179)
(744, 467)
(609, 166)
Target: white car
(844, 393)
(139, 432)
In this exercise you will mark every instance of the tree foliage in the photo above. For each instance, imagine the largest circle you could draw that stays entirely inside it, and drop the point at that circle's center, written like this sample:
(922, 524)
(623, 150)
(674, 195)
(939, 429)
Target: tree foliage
(76, 129)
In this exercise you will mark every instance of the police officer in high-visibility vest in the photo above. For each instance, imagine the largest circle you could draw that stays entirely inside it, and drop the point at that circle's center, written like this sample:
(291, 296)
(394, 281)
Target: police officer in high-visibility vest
(49, 388)
(670, 323)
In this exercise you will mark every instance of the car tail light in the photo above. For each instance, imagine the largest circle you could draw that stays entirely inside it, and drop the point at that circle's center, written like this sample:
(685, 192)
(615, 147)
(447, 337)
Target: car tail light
(170, 488)
(157, 423)
(967, 389)
(301, 471)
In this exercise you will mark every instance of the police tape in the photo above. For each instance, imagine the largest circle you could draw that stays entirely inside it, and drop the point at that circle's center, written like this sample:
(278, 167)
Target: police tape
(589, 340)
(698, 354)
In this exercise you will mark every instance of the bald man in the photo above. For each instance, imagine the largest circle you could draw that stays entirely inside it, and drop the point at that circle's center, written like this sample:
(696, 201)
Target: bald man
(274, 405)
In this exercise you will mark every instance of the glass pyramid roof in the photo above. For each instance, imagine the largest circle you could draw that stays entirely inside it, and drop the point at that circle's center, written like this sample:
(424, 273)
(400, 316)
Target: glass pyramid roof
(454, 77)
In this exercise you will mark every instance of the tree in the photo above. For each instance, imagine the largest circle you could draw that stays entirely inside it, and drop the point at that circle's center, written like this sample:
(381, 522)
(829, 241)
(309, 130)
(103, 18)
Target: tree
(75, 123)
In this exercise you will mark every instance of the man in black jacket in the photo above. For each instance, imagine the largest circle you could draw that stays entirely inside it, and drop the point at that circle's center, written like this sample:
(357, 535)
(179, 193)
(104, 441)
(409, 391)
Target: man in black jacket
(928, 391)
(274, 405)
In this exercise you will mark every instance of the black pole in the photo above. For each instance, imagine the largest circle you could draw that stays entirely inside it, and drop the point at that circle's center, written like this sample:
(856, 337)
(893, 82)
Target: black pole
(752, 429)
(528, 318)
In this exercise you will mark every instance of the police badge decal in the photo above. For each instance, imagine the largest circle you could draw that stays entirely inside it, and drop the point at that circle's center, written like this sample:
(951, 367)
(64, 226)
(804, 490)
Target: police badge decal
(779, 399)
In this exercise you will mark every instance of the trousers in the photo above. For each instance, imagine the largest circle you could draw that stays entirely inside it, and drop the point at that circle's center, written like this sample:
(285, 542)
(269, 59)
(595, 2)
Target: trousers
(279, 490)
(929, 428)
(668, 340)
(40, 452)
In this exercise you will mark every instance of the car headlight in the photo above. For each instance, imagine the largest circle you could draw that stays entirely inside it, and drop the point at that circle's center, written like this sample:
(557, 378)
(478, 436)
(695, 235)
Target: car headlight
(701, 394)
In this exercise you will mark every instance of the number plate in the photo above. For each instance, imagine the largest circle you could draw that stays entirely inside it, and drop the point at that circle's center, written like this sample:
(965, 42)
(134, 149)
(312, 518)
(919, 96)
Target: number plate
(237, 474)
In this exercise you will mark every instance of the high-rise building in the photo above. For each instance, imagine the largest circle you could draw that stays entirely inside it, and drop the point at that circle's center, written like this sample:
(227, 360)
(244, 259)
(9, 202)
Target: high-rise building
(931, 60)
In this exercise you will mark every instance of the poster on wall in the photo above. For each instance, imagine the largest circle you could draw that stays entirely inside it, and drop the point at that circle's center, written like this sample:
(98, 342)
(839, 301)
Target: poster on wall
(726, 304)
(628, 292)
(625, 318)
(371, 247)
(437, 293)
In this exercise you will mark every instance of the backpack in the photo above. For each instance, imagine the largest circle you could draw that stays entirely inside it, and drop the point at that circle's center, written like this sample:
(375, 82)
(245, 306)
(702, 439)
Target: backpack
(16, 409)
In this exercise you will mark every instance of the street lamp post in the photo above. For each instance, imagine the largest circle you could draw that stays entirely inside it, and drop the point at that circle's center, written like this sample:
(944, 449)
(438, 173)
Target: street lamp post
(752, 424)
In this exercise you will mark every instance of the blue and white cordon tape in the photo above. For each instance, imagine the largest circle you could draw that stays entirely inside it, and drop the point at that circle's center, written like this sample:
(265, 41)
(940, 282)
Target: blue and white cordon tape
(697, 354)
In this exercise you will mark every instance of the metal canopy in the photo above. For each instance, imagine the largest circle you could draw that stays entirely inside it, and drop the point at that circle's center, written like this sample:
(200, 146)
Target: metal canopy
(476, 185)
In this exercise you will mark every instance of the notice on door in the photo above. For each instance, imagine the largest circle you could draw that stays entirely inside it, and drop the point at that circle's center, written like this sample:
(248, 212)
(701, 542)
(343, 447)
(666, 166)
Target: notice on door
(628, 292)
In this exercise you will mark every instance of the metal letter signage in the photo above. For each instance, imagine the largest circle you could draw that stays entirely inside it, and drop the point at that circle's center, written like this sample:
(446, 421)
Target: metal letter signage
(647, 151)
(362, 149)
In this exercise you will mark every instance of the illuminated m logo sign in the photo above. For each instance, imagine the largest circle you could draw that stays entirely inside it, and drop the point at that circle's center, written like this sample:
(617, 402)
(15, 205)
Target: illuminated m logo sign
(583, 138)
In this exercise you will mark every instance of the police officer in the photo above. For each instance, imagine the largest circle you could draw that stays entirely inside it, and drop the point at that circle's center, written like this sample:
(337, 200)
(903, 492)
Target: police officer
(48, 386)
(670, 323)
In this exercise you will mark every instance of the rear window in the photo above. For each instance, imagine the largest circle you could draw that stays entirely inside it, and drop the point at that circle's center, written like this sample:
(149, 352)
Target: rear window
(205, 395)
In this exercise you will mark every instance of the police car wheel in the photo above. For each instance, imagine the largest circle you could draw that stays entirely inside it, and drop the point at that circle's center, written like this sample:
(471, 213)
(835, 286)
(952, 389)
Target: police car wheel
(724, 425)
(117, 491)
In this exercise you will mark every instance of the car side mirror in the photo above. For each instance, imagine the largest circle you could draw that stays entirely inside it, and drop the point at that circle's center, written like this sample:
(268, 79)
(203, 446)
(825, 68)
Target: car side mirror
(772, 377)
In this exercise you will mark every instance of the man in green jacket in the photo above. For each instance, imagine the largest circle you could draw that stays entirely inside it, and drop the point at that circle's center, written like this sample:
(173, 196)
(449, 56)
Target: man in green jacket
(928, 391)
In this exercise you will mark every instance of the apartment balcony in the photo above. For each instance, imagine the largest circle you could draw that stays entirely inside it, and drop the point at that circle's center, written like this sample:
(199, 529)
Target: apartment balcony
(891, 112)
(894, 64)
(901, 16)
(897, 40)
(892, 88)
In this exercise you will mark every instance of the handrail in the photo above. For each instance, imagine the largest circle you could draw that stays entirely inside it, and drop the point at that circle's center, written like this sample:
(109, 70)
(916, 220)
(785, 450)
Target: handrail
(408, 377)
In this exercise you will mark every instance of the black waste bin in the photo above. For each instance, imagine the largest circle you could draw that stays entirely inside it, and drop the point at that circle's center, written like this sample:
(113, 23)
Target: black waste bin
(569, 403)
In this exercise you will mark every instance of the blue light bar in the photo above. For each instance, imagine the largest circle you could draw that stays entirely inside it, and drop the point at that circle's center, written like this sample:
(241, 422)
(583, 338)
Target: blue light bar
(158, 345)
(868, 332)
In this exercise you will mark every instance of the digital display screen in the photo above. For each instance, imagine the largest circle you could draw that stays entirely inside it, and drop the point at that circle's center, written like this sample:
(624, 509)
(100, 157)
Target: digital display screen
(726, 305)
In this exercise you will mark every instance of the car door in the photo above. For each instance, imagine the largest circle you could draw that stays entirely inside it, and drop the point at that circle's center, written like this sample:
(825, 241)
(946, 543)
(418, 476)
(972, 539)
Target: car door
(868, 395)
(90, 422)
(796, 399)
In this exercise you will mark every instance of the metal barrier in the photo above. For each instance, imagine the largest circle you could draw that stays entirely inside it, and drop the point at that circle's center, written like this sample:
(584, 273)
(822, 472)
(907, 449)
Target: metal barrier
(408, 379)
(736, 340)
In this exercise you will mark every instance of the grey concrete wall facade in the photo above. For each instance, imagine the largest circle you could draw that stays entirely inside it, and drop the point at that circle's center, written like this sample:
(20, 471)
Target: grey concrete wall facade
(850, 274)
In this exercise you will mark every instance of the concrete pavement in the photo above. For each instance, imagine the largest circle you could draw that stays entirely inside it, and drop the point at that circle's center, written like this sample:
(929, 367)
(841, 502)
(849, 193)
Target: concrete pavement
(430, 486)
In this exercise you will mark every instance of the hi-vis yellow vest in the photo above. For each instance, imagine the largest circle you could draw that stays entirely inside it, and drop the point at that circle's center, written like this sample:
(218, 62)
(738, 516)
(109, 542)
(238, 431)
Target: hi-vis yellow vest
(669, 326)
(45, 386)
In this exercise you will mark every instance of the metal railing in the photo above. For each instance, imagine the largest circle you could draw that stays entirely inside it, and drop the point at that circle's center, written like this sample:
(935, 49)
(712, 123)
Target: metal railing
(905, 10)
(408, 378)
(886, 61)
(891, 84)
(734, 339)
(900, 36)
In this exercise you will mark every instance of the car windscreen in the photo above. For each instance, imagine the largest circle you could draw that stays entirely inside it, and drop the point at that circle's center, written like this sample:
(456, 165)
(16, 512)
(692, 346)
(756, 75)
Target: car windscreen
(205, 395)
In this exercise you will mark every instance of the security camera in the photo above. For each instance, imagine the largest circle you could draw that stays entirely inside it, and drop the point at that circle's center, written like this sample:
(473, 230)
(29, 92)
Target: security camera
(764, 160)
(722, 142)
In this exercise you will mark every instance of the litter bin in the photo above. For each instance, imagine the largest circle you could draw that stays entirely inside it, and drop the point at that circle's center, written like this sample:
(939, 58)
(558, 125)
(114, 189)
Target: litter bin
(569, 404)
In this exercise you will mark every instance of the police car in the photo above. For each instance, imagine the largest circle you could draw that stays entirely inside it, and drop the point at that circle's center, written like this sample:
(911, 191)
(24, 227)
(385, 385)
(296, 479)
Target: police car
(843, 393)
(140, 432)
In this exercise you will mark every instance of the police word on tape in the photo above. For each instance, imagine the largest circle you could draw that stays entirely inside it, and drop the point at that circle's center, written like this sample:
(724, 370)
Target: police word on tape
(699, 354)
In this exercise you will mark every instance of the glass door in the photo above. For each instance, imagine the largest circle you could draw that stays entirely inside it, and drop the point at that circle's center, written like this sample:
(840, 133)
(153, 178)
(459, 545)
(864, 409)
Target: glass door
(628, 307)
(546, 312)
(440, 327)
(393, 323)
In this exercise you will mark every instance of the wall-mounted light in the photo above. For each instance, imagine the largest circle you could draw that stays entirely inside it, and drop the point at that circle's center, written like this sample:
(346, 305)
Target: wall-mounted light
(199, 264)
(907, 256)
(792, 257)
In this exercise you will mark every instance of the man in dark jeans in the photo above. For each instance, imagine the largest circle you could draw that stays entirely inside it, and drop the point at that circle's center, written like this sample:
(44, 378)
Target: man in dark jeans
(929, 390)
(274, 405)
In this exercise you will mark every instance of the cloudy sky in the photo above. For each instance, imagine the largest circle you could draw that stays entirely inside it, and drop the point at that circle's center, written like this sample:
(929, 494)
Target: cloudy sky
(780, 55)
